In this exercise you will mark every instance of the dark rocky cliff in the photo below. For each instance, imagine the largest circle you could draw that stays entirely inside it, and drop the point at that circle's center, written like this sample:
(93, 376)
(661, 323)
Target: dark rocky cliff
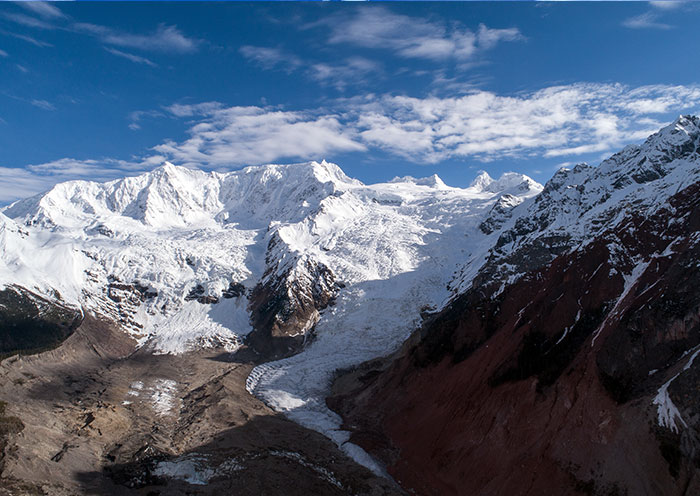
(578, 377)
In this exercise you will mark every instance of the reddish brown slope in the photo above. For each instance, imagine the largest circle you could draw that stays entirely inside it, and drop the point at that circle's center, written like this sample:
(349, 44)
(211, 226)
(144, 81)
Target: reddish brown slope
(547, 387)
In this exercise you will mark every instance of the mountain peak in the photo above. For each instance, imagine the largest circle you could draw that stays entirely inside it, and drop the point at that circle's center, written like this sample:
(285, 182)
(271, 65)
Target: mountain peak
(482, 181)
(433, 181)
(509, 182)
(683, 129)
(167, 169)
(688, 123)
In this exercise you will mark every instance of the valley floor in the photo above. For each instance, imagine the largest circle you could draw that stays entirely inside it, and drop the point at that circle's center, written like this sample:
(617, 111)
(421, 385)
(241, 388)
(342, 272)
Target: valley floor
(101, 418)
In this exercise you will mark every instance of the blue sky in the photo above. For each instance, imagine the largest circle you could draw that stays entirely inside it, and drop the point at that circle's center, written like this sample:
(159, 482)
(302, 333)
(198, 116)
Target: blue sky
(101, 90)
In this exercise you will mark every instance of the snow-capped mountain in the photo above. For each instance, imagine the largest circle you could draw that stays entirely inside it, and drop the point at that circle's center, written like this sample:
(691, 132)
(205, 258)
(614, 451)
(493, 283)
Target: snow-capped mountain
(184, 259)
(175, 238)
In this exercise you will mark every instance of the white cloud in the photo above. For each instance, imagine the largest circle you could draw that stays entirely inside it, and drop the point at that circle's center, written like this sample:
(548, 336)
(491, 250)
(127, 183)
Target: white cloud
(3, 53)
(555, 121)
(16, 183)
(491, 37)
(340, 75)
(237, 136)
(130, 56)
(413, 37)
(28, 21)
(28, 39)
(666, 4)
(197, 109)
(337, 74)
(164, 38)
(380, 29)
(43, 9)
(648, 20)
(42, 104)
(270, 57)
(137, 116)
(481, 125)
(559, 121)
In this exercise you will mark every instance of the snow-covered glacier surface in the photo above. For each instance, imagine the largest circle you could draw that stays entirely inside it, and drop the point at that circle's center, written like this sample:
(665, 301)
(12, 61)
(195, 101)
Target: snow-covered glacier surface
(158, 251)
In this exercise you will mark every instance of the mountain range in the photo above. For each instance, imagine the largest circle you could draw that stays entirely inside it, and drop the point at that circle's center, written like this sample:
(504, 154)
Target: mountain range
(505, 338)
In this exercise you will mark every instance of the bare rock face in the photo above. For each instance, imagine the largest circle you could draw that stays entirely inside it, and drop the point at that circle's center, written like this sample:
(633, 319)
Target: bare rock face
(579, 377)
(285, 306)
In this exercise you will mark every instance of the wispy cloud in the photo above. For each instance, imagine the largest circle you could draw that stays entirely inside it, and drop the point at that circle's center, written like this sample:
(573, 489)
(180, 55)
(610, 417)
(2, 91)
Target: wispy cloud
(3, 53)
(559, 121)
(488, 37)
(163, 39)
(378, 28)
(28, 39)
(22, 68)
(413, 37)
(648, 20)
(130, 56)
(196, 109)
(48, 17)
(43, 9)
(28, 21)
(344, 73)
(43, 104)
(271, 57)
(80, 169)
(16, 183)
(137, 116)
(666, 4)
(339, 74)
(556, 121)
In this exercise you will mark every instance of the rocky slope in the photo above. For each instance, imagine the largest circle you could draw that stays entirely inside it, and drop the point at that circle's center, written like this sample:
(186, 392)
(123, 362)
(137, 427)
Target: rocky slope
(566, 364)
(98, 416)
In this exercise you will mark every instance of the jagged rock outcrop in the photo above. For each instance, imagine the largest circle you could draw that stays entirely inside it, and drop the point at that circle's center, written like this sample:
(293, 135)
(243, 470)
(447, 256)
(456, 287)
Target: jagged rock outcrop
(285, 308)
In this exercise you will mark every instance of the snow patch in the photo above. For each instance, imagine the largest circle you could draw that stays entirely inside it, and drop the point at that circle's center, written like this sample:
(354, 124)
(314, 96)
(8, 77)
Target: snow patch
(162, 396)
(195, 469)
(667, 412)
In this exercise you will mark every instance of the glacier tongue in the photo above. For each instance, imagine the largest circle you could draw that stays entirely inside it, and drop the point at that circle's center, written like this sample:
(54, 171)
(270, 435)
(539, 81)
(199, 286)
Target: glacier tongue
(396, 246)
